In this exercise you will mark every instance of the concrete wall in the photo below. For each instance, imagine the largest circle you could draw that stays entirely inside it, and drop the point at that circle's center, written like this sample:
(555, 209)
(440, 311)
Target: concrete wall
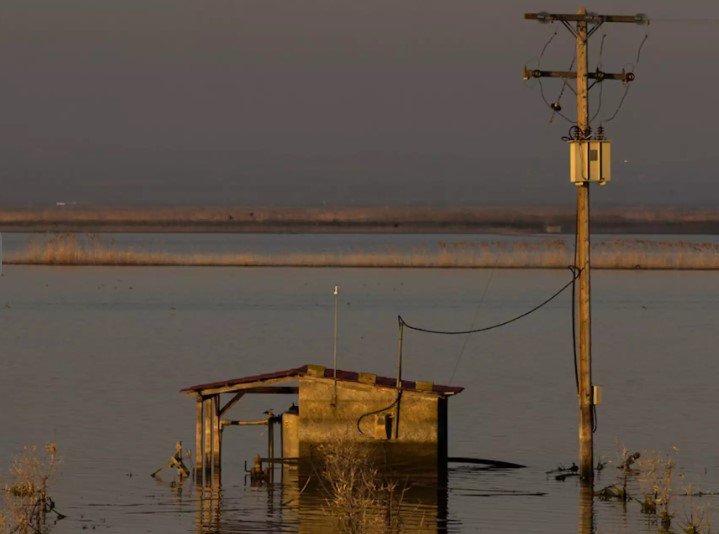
(290, 435)
(421, 442)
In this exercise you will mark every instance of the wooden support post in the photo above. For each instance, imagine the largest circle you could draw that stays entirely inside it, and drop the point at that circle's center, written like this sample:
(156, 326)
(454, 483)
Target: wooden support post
(231, 402)
(271, 447)
(586, 445)
(207, 450)
(199, 434)
(216, 436)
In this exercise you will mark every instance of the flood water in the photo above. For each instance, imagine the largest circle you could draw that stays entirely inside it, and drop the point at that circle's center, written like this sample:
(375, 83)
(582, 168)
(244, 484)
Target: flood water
(278, 244)
(94, 358)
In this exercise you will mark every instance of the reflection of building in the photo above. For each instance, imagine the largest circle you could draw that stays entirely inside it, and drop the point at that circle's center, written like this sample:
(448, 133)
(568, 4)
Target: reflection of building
(405, 423)
(293, 507)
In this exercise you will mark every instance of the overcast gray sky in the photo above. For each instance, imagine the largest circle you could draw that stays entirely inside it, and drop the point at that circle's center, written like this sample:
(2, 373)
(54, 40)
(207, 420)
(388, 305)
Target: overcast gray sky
(303, 102)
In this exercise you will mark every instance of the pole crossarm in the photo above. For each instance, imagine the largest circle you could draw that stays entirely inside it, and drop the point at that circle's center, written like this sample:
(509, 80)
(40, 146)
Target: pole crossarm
(589, 18)
(568, 74)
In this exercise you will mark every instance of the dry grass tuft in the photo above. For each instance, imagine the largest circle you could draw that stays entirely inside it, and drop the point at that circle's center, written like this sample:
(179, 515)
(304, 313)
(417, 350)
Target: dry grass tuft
(358, 496)
(651, 479)
(27, 503)
(696, 517)
(656, 482)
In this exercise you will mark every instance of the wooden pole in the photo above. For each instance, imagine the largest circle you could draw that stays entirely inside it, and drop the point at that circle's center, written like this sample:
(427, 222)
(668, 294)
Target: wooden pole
(199, 433)
(586, 446)
(582, 34)
(207, 452)
(216, 435)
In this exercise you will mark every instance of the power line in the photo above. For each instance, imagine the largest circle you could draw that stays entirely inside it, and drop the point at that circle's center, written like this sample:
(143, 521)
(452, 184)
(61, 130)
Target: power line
(627, 86)
(575, 274)
(476, 314)
(601, 85)
(544, 48)
(686, 21)
(541, 86)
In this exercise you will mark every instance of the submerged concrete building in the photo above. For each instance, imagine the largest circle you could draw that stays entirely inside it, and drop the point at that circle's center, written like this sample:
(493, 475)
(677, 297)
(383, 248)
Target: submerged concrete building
(404, 422)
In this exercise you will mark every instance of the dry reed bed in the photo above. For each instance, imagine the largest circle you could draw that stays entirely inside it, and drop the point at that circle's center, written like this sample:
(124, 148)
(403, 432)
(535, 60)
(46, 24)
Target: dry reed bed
(343, 214)
(68, 249)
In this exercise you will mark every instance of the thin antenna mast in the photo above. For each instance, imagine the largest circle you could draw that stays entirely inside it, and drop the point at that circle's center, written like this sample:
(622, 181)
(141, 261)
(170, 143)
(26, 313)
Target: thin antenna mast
(336, 294)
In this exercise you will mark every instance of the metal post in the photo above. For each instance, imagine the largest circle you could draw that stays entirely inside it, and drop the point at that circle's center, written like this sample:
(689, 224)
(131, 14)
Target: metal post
(271, 446)
(400, 342)
(334, 347)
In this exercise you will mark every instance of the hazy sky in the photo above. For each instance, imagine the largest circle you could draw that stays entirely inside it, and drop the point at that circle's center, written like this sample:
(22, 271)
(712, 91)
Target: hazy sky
(329, 101)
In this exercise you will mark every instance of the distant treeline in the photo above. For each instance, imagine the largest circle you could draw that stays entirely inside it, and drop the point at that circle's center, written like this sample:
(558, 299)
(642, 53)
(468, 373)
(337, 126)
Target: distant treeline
(356, 219)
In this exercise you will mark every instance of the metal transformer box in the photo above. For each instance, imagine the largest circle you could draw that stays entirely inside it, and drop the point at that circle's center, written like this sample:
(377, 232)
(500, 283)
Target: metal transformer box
(590, 161)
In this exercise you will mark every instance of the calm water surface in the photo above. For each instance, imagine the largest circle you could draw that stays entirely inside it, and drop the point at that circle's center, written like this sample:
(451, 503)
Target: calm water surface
(94, 358)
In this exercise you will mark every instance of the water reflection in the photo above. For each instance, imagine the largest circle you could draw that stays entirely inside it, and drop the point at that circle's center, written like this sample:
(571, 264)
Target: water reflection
(586, 508)
(209, 504)
(300, 504)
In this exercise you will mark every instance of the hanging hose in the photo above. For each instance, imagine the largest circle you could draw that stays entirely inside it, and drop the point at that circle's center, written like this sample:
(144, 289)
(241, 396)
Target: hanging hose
(375, 412)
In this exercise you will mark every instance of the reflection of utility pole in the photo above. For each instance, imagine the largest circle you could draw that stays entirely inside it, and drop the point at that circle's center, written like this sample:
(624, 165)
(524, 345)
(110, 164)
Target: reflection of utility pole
(590, 163)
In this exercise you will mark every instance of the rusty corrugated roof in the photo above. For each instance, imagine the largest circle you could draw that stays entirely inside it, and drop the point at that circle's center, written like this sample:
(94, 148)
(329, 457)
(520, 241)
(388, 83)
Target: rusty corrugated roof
(290, 374)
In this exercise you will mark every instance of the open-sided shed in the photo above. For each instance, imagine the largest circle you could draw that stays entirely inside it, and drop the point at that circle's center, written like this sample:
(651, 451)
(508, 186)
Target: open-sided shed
(404, 420)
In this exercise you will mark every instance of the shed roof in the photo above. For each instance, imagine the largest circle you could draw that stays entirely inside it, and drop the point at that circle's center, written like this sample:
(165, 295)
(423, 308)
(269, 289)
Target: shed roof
(288, 375)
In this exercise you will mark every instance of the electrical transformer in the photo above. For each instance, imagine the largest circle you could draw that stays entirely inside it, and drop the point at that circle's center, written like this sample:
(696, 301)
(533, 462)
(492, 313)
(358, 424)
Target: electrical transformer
(590, 161)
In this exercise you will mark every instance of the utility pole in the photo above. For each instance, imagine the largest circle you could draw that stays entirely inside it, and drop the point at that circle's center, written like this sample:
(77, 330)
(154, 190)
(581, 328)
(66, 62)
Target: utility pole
(590, 162)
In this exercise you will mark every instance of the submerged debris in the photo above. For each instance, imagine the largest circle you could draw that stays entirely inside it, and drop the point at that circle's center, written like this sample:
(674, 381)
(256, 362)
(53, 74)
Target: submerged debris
(175, 463)
(627, 463)
(561, 469)
(613, 492)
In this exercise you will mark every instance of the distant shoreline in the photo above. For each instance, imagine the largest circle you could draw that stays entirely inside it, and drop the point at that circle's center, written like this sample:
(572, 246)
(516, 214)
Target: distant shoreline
(356, 220)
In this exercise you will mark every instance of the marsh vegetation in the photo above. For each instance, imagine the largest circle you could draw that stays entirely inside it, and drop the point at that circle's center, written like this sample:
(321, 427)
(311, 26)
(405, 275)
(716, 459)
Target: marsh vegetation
(358, 495)
(27, 505)
(549, 253)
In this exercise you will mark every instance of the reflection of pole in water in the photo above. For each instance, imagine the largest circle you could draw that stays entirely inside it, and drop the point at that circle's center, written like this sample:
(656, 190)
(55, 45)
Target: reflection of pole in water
(586, 508)
(442, 503)
(209, 503)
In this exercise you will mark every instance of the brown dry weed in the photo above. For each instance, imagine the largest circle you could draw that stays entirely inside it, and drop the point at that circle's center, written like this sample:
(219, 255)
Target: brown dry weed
(27, 503)
(88, 249)
(358, 496)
